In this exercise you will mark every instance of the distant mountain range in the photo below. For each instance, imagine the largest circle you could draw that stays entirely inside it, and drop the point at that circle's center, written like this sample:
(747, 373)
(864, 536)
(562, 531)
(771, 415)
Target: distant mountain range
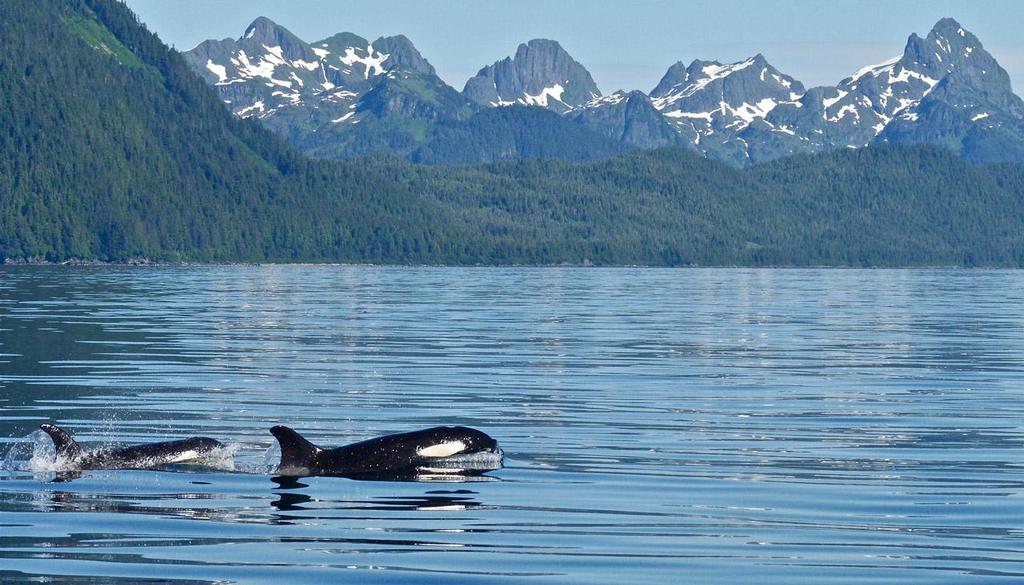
(345, 96)
(113, 149)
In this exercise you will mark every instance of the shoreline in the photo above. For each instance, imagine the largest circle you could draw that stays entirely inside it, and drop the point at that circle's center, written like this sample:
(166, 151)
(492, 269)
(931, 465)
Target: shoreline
(149, 263)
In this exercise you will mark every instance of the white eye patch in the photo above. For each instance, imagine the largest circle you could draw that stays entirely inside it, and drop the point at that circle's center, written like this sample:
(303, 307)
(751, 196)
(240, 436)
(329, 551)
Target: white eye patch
(184, 456)
(442, 449)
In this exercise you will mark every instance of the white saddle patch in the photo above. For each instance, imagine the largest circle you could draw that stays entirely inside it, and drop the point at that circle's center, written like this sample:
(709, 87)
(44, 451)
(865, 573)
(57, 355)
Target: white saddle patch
(442, 449)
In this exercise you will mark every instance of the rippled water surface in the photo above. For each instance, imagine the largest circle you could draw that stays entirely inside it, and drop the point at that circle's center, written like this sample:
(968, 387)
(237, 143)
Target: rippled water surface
(659, 426)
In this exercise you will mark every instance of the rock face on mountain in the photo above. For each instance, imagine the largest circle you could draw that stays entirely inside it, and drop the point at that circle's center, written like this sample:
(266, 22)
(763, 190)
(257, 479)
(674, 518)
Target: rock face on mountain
(541, 74)
(630, 118)
(345, 96)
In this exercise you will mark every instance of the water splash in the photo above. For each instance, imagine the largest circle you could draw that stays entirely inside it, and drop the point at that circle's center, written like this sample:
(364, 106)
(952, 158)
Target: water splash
(44, 454)
(483, 461)
(220, 459)
(36, 453)
(271, 458)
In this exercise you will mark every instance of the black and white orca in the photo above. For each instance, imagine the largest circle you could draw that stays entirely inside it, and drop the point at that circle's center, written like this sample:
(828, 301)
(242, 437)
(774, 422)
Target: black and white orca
(71, 456)
(454, 450)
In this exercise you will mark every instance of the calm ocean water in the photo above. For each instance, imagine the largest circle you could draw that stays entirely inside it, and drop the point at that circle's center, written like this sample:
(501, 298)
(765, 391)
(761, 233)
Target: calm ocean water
(660, 426)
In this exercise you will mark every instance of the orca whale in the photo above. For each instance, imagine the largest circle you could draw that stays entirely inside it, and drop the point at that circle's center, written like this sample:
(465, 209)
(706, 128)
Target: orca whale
(456, 450)
(70, 455)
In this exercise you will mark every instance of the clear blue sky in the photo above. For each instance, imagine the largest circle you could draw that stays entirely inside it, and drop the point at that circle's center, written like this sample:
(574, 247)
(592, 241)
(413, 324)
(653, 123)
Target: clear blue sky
(626, 44)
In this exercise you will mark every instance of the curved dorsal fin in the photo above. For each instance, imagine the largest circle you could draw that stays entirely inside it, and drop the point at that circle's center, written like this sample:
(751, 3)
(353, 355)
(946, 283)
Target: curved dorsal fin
(296, 451)
(67, 448)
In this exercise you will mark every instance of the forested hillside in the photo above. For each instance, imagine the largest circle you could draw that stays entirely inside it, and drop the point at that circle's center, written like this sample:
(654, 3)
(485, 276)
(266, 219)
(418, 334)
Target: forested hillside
(113, 150)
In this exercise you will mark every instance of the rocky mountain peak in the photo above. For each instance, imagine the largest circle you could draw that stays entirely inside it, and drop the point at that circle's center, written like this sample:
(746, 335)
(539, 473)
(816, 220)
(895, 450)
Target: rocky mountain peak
(944, 88)
(541, 73)
(403, 55)
(267, 32)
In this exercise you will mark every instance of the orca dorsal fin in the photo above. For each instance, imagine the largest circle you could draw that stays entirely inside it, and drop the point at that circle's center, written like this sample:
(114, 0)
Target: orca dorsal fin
(296, 451)
(67, 448)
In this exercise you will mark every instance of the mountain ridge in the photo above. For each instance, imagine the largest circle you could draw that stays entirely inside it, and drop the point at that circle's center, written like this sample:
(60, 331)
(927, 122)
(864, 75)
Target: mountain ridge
(744, 112)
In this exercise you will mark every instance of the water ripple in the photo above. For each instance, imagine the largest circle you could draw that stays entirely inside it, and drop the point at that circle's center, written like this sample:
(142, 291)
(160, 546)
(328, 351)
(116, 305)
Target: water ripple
(717, 426)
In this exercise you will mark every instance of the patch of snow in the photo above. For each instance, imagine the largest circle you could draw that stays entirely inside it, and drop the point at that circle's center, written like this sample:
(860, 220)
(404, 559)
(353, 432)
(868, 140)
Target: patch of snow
(782, 81)
(847, 109)
(343, 118)
(904, 104)
(692, 115)
(264, 69)
(294, 98)
(608, 100)
(981, 116)
(874, 70)
(748, 112)
(373, 61)
(219, 70)
(244, 112)
(554, 92)
(321, 53)
(828, 102)
(274, 55)
(907, 74)
(307, 65)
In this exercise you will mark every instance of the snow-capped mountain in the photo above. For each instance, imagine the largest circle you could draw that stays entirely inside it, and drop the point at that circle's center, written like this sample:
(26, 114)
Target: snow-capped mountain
(315, 94)
(885, 102)
(541, 74)
(344, 96)
(708, 98)
(945, 88)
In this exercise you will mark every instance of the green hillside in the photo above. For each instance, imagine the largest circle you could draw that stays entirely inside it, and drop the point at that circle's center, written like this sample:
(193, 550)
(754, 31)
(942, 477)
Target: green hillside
(112, 150)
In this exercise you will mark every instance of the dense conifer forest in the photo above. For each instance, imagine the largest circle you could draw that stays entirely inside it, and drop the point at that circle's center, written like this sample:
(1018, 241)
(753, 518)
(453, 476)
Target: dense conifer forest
(113, 150)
